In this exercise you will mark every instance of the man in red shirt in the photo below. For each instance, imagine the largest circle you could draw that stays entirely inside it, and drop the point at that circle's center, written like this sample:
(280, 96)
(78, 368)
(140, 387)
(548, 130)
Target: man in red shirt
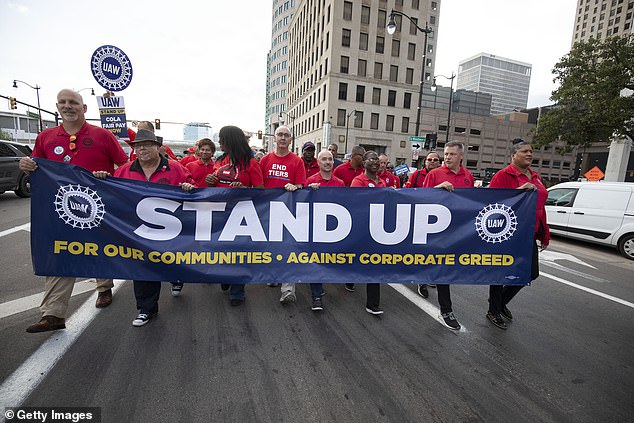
(449, 176)
(283, 169)
(388, 177)
(416, 179)
(354, 167)
(205, 164)
(308, 157)
(192, 155)
(77, 142)
(324, 177)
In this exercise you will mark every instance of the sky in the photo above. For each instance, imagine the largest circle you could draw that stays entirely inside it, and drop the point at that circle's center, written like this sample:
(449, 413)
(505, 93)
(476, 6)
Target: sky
(205, 61)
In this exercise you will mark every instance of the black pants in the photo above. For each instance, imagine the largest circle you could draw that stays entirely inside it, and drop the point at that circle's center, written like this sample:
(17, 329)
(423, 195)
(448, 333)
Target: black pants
(147, 295)
(501, 295)
(444, 298)
(373, 294)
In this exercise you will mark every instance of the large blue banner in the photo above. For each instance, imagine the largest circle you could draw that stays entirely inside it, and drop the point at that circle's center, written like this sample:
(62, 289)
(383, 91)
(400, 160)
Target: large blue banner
(118, 228)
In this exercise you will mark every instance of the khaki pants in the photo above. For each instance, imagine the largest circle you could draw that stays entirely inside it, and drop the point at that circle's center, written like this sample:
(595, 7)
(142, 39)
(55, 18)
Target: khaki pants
(57, 292)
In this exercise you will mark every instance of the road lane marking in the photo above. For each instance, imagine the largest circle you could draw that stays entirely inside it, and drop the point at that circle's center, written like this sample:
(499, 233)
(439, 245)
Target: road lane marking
(589, 290)
(27, 303)
(25, 227)
(17, 387)
(423, 304)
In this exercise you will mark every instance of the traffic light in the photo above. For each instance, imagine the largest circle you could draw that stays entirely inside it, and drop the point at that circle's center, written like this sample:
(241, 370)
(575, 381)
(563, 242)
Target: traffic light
(259, 135)
(157, 124)
(13, 102)
(430, 141)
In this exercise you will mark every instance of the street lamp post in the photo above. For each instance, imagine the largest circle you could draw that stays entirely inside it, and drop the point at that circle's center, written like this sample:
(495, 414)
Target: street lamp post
(433, 88)
(92, 90)
(391, 28)
(291, 116)
(37, 90)
(347, 123)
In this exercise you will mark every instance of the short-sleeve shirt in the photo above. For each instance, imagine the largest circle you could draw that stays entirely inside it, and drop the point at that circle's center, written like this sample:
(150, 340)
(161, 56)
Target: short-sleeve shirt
(188, 159)
(332, 182)
(462, 179)
(95, 148)
(199, 171)
(363, 181)
(417, 178)
(311, 168)
(169, 172)
(390, 179)
(279, 171)
(249, 177)
(347, 173)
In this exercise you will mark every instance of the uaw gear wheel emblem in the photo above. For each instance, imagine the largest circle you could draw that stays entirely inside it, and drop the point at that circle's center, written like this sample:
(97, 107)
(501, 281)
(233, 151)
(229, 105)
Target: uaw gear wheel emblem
(496, 223)
(79, 207)
(111, 68)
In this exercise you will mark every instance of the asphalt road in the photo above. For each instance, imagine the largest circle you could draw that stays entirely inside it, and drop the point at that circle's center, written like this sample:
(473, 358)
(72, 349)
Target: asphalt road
(566, 357)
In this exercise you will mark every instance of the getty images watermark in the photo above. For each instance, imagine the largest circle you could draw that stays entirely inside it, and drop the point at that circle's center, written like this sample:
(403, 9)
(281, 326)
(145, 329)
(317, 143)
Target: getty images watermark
(52, 414)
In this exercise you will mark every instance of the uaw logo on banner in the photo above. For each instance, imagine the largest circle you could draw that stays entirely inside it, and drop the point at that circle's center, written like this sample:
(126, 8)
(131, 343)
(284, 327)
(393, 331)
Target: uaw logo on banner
(124, 229)
(111, 68)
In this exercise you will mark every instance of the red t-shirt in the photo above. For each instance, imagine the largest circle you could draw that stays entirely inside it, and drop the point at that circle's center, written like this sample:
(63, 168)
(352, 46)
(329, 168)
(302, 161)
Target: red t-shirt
(188, 159)
(249, 177)
(347, 173)
(363, 181)
(311, 168)
(390, 179)
(95, 148)
(332, 182)
(462, 179)
(417, 178)
(279, 171)
(168, 172)
(199, 171)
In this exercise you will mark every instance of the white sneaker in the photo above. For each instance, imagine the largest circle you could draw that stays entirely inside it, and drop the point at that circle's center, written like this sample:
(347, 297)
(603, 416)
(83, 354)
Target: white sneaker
(176, 290)
(141, 319)
(288, 297)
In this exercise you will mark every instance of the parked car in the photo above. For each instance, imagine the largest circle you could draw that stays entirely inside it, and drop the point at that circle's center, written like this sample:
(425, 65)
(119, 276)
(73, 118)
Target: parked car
(599, 212)
(11, 177)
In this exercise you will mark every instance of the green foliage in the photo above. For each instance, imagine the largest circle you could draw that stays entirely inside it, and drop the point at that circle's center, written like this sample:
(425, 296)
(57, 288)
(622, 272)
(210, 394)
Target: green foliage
(589, 107)
(4, 135)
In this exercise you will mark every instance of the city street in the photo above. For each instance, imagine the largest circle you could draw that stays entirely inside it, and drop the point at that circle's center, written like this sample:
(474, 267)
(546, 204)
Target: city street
(566, 357)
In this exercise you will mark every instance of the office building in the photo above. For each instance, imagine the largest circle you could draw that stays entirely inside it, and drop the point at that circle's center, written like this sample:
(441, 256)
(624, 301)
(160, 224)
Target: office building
(194, 131)
(600, 19)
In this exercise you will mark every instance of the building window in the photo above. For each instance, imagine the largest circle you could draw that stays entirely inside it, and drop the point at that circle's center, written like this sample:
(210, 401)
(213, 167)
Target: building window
(411, 51)
(382, 22)
(459, 130)
(412, 26)
(341, 117)
(389, 123)
(432, 20)
(393, 73)
(391, 98)
(556, 163)
(396, 47)
(415, 4)
(343, 91)
(360, 93)
(378, 70)
(374, 121)
(474, 132)
(376, 96)
(345, 38)
(347, 11)
(363, 41)
(472, 163)
(545, 162)
(345, 64)
(365, 15)
(380, 44)
(405, 125)
(362, 67)
(409, 75)
(407, 100)
(358, 119)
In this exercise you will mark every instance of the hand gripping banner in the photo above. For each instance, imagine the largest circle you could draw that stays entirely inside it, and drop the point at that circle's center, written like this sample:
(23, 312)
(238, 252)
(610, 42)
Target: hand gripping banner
(118, 228)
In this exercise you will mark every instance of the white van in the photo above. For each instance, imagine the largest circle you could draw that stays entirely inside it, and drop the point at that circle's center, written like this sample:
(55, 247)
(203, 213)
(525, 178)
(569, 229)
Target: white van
(600, 212)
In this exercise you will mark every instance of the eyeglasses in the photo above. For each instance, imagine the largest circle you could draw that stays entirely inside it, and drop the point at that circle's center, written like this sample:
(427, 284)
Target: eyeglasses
(372, 159)
(72, 144)
(432, 160)
(283, 134)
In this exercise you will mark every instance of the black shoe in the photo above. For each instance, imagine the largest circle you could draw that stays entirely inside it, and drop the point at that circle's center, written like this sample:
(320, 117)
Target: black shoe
(177, 288)
(224, 286)
(431, 285)
(497, 320)
(317, 305)
(451, 321)
(236, 302)
(507, 313)
(350, 287)
(422, 290)
(273, 285)
(373, 310)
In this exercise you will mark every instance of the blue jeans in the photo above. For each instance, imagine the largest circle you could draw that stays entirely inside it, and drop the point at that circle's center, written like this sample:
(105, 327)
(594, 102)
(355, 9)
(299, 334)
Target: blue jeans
(315, 290)
(236, 292)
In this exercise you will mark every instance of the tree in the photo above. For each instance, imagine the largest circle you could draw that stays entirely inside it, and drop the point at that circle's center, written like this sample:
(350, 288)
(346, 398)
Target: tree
(589, 107)
(4, 135)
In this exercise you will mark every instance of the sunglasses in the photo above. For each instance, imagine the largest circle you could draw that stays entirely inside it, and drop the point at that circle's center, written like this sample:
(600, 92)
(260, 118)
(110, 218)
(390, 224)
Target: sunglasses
(72, 144)
(432, 160)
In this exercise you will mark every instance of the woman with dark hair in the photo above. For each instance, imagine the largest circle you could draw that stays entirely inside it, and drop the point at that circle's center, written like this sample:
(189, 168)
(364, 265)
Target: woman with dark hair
(237, 169)
(519, 175)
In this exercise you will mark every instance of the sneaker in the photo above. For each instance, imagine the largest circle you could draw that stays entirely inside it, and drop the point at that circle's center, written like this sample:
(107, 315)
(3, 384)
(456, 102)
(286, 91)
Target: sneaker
(350, 287)
(225, 286)
(451, 321)
(497, 320)
(176, 290)
(273, 285)
(317, 305)
(142, 319)
(236, 302)
(373, 310)
(288, 297)
(422, 290)
(507, 313)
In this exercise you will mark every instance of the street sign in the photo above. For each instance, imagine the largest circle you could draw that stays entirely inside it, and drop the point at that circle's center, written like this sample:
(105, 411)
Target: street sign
(417, 140)
(594, 174)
